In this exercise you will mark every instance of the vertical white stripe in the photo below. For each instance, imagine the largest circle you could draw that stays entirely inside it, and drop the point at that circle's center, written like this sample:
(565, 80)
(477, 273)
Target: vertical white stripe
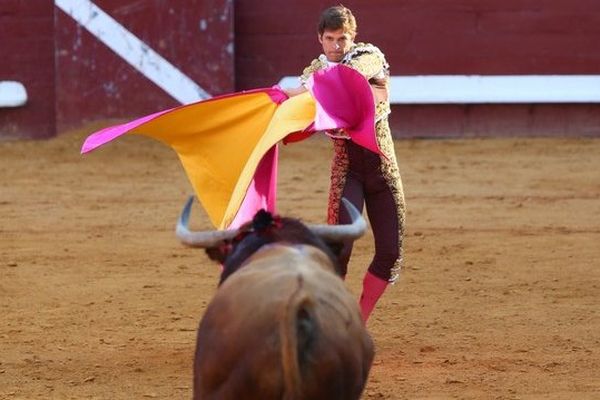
(137, 53)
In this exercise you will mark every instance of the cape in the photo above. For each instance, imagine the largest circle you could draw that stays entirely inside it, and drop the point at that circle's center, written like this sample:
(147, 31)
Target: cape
(227, 145)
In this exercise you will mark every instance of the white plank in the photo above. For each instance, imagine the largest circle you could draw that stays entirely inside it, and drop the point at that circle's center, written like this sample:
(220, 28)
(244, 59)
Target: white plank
(483, 89)
(12, 94)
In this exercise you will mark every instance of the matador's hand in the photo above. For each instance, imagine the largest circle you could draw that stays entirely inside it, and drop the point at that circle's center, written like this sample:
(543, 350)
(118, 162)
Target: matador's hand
(337, 133)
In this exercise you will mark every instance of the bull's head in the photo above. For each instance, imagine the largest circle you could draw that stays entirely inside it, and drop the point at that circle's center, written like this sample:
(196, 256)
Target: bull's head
(231, 247)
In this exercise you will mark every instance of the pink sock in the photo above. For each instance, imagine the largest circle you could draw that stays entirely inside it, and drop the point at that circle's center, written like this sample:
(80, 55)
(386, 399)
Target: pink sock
(373, 288)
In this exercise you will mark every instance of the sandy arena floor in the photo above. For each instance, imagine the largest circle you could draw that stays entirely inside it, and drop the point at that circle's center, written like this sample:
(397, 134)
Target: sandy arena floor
(499, 297)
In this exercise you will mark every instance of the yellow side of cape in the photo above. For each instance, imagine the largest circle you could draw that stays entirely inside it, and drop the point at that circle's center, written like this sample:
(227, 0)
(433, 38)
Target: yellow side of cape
(220, 143)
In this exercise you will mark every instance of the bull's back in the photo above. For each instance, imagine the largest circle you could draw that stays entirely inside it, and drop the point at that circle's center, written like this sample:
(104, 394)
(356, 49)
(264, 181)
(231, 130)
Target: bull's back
(243, 348)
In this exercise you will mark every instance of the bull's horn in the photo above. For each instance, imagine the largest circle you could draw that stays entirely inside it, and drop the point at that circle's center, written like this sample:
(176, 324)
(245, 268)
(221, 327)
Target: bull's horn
(199, 239)
(343, 232)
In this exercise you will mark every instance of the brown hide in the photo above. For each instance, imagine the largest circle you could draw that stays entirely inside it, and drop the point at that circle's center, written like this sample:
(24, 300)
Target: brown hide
(282, 327)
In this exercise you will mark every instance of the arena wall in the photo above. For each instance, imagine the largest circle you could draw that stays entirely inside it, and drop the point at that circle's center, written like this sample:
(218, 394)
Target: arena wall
(93, 81)
(440, 37)
(27, 56)
(73, 76)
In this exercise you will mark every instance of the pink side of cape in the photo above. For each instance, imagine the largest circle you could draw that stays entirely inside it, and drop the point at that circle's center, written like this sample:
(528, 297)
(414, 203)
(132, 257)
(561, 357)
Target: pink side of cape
(262, 192)
(105, 135)
(344, 100)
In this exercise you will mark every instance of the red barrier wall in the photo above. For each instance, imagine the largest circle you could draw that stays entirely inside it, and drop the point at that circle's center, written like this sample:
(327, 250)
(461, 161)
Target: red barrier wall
(72, 78)
(27, 56)
(433, 37)
(93, 82)
(441, 37)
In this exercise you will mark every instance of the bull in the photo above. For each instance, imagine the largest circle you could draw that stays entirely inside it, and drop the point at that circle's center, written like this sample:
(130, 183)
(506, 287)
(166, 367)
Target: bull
(282, 324)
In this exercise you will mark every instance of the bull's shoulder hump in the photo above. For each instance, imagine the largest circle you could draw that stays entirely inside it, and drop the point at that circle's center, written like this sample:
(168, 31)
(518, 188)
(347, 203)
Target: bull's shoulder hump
(301, 255)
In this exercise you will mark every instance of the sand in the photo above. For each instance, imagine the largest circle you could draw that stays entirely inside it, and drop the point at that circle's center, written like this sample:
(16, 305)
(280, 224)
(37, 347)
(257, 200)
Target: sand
(498, 298)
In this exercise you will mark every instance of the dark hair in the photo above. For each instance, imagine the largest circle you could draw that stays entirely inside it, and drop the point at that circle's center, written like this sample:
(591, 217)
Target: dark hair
(337, 17)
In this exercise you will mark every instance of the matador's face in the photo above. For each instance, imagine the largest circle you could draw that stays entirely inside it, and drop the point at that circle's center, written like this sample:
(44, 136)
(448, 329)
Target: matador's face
(336, 44)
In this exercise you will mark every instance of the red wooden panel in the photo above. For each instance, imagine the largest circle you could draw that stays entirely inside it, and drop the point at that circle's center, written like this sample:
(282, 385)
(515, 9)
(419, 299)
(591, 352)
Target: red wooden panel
(93, 82)
(496, 120)
(426, 37)
(440, 37)
(27, 56)
(430, 121)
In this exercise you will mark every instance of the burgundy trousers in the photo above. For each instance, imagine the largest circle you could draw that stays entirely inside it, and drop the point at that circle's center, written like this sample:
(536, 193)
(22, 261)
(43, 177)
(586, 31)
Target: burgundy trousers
(366, 185)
